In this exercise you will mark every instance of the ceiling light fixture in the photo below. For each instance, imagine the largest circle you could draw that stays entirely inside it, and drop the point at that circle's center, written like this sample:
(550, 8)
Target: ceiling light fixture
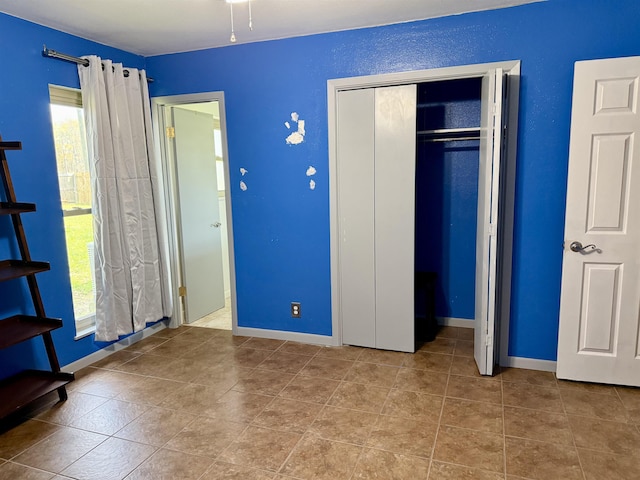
(232, 39)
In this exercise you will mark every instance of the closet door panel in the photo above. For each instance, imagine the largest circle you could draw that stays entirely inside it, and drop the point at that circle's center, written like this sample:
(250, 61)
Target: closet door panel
(355, 154)
(395, 155)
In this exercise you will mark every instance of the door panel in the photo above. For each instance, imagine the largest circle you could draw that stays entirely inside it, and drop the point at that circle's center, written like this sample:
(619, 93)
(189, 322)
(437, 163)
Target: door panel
(395, 169)
(355, 152)
(600, 300)
(489, 181)
(201, 245)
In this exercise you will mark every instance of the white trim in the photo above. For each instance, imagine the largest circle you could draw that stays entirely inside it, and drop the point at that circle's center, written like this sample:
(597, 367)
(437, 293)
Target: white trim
(456, 322)
(284, 335)
(160, 122)
(529, 364)
(512, 68)
(113, 348)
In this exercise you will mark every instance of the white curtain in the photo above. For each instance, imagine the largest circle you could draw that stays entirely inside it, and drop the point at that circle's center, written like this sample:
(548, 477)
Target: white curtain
(132, 285)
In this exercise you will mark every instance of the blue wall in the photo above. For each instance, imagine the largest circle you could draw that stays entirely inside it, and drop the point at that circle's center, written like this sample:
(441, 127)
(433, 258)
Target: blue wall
(282, 228)
(24, 116)
(447, 194)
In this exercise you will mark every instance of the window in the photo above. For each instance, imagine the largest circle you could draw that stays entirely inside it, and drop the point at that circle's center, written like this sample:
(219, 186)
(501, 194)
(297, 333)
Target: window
(74, 180)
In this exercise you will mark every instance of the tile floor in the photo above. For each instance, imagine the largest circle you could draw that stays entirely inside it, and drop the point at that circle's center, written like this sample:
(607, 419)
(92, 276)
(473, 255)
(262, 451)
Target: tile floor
(196, 403)
(220, 319)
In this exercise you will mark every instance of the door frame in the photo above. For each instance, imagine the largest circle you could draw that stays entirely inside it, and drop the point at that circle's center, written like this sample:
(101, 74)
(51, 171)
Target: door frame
(159, 107)
(507, 197)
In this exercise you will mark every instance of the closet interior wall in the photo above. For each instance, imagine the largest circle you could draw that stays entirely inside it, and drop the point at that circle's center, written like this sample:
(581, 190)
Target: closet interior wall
(447, 159)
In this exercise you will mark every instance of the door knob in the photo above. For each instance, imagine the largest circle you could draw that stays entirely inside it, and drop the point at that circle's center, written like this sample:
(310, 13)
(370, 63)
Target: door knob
(216, 225)
(577, 247)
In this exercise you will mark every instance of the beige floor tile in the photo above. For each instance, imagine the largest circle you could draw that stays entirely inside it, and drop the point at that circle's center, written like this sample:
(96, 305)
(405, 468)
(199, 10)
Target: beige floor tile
(156, 426)
(176, 346)
(630, 398)
(532, 377)
(170, 465)
(533, 397)
(542, 461)
(343, 425)
(264, 382)
(151, 391)
(238, 406)
(446, 471)
(584, 403)
(261, 448)
(13, 471)
(206, 437)
(537, 425)
(23, 436)
(463, 349)
(331, 368)
(429, 361)
(424, 406)
(111, 460)
(359, 397)
(319, 459)
(484, 389)
(465, 366)
(146, 344)
(378, 464)
(221, 375)
(60, 450)
(227, 471)
(198, 334)
(382, 357)
(445, 331)
(470, 448)
(288, 415)
(439, 345)
(466, 334)
(284, 362)
(486, 417)
(300, 348)
(310, 389)
(606, 466)
(587, 387)
(196, 399)
(407, 436)
(249, 357)
(344, 352)
(422, 381)
(372, 374)
(110, 417)
(606, 436)
(263, 343)
(77, 405)
(115, 359)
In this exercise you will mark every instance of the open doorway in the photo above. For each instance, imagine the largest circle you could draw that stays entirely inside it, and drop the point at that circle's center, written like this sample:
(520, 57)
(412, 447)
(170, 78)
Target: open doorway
(191, 136)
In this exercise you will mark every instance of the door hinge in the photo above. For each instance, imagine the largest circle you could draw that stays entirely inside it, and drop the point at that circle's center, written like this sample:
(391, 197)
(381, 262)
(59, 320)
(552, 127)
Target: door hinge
(182, 291)
(489, 340)
(171, 132)
(492, 229)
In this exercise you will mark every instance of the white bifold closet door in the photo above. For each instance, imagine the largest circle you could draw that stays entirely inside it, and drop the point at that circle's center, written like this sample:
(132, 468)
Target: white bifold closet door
(376, 151)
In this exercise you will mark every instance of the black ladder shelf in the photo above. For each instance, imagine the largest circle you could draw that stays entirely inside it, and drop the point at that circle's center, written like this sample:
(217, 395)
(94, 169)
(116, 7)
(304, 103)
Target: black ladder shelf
(20, 390)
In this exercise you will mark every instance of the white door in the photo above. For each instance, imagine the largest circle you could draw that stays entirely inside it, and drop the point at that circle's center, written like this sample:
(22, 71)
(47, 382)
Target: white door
(487, 248)
(199, 226)
(600, 301)
(376, 136)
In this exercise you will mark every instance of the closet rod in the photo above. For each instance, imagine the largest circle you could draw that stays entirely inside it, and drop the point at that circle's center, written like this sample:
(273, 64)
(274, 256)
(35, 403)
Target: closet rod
(446, 131)
(450, 139)
(47, 52)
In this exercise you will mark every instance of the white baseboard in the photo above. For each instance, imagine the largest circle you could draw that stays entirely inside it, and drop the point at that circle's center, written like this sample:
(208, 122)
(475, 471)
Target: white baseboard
(529, 364)
(282, 335)
(113, 348)
(456, 322)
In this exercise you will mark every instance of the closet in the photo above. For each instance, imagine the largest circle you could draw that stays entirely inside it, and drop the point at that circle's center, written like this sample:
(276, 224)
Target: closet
(417, 186)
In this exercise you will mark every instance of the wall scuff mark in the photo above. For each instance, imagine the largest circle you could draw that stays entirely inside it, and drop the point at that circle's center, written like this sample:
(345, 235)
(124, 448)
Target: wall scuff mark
(243, 171)
(243, 186)
(312, 185)
(297, 137)
(311, 171)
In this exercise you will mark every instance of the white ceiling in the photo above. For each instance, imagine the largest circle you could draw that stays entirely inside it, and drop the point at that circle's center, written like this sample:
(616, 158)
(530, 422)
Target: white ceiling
(154, 27)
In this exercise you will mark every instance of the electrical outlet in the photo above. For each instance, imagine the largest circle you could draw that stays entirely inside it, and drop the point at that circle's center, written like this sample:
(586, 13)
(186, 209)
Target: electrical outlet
(295, 310)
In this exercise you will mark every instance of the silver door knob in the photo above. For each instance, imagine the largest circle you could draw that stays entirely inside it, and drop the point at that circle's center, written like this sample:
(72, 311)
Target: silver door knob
(578, 248)
(216, 225)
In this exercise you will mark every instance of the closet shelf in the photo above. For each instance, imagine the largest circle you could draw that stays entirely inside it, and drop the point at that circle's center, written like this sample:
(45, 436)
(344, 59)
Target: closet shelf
(19, 328)
(27, 386)
(449, 134)
(10, 269)
(12, 208)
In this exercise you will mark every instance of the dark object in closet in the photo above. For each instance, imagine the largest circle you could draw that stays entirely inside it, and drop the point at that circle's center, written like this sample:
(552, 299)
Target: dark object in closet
(426, 326)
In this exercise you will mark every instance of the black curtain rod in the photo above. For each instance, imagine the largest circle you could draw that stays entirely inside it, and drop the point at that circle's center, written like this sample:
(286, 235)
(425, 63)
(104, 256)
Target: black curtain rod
(47, 52)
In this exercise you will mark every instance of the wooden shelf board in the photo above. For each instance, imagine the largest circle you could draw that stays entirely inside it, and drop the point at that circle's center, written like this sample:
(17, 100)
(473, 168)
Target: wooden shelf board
(19, 328)
(21, 389)
(9, 208)
(10, 145)
(10, 269)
